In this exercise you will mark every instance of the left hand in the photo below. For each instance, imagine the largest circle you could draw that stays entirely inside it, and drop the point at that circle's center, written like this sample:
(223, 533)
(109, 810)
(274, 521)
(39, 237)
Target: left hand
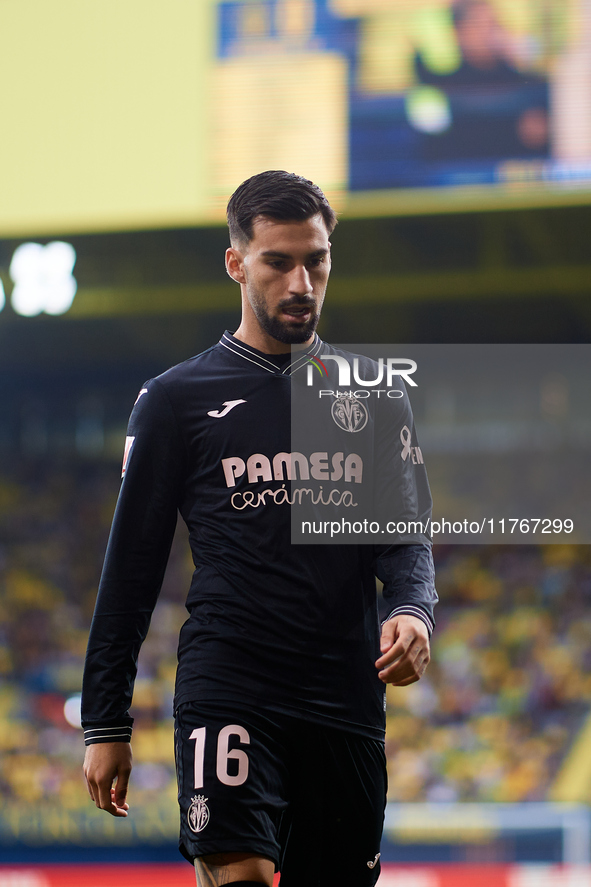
(405, 650)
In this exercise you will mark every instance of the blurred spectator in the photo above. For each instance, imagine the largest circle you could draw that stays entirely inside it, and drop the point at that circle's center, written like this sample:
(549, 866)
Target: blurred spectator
(496, 110)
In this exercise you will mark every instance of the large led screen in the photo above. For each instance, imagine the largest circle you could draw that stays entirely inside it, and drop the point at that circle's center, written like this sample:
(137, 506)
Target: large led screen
(130, 114)
(438, 94)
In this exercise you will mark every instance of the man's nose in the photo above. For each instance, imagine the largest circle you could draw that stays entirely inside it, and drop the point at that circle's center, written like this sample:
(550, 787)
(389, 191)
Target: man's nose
(299, 281)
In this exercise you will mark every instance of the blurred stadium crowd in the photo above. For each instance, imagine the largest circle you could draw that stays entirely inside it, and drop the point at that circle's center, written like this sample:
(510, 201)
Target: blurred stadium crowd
(508, 687)
(510, 679)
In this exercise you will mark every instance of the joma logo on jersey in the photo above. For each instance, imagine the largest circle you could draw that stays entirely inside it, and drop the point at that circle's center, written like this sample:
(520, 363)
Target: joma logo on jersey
(228, 405)
(294, 466)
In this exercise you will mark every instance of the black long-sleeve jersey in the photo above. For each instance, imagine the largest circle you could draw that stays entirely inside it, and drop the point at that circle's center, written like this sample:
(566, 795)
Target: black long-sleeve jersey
(289, 628)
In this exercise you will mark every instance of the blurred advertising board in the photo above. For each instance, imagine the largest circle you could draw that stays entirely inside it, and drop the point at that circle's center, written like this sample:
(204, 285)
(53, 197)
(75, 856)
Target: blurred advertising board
(140, 115)
(180, 875)
(433, 834)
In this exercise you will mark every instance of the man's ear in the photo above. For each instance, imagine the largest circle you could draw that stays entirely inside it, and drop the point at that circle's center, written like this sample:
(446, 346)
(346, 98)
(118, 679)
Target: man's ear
(235, 264)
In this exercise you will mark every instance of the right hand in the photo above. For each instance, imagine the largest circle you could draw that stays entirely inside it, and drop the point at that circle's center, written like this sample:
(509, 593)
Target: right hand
(105, 762)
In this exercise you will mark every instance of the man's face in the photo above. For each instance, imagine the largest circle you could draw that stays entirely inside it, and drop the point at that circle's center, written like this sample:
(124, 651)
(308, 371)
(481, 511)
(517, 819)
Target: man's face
(481, 38)
(286, 267)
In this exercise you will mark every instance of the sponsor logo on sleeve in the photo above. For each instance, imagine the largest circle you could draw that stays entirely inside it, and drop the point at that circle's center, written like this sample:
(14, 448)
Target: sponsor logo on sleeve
(416, 456)
(126, 453)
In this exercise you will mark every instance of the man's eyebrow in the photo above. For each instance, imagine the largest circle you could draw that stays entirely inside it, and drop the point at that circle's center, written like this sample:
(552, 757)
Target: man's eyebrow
(279, 255)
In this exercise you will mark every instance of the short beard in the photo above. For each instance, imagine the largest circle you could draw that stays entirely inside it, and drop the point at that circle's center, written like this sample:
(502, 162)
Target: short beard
(280, 330)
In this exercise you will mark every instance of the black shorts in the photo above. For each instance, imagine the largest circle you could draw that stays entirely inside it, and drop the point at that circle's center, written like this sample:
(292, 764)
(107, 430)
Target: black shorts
(308, 797)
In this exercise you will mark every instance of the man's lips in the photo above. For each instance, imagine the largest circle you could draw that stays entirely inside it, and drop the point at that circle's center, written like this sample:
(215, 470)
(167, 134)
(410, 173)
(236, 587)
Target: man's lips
(297, 312)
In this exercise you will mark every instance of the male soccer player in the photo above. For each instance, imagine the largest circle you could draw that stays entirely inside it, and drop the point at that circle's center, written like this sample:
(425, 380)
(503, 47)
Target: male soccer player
(279, 701)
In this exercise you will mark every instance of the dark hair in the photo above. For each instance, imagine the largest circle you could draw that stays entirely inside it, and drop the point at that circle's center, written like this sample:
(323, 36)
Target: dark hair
(461, 10)
(280, 195)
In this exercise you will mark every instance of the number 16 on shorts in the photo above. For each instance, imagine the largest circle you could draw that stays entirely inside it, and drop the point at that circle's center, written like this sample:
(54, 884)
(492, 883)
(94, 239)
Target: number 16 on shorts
(224, 755)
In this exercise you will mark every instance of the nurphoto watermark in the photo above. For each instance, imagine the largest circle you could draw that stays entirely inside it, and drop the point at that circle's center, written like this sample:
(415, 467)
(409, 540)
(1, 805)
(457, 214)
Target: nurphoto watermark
(396, 444)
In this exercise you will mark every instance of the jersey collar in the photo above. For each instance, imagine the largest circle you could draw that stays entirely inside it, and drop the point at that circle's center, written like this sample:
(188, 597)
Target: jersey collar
(257, 357)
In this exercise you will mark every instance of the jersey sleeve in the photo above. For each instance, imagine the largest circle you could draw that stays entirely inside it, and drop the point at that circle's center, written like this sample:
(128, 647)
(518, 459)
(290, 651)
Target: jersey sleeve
(402, 495)
(137, 553)
(408, 575)
(406, 569)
